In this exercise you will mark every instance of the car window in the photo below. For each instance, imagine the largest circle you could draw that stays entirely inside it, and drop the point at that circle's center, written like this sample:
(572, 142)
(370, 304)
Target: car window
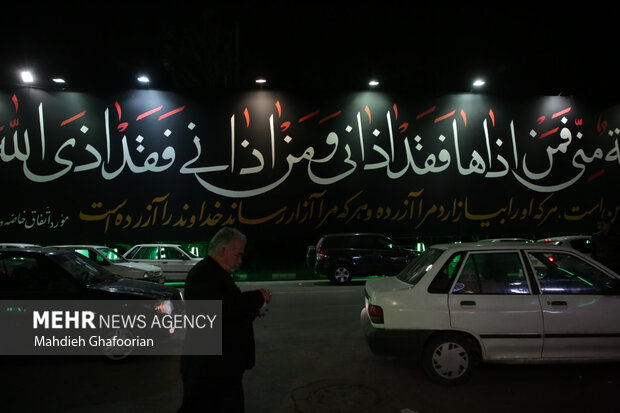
(563, 273)
(30, 273)
(335, 242)
(416, 269)
(19, 273)
(188, 252)
(82, 251)
(171, 253)
(492, 273)
(131, 252)
(364, 243)
(146, 253)
(445, 277)
(111, 255)
(81, 269)
(383, 243)
(90, 254)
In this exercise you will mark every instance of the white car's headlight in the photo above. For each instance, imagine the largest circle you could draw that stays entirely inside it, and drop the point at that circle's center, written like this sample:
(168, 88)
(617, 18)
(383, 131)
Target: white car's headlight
(152, 274)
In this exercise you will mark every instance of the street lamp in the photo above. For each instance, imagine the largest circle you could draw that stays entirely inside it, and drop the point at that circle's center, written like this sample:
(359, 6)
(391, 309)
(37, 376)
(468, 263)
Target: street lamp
(27, 77)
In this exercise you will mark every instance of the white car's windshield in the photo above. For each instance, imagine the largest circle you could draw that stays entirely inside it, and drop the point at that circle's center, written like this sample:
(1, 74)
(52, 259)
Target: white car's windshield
(188, 252)
(111, 255)
(414, 271)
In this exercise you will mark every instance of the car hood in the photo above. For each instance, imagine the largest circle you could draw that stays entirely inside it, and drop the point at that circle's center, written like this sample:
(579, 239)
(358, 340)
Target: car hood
(138, 266)
(137, 288)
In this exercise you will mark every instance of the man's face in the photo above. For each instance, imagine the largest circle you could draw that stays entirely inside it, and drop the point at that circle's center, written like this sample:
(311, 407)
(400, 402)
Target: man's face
(230, 256)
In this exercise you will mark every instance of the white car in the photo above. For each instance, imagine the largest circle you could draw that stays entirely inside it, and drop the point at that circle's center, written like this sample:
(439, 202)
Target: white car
(174, 260)
(582, 243)
(458, 304)
(115, 263)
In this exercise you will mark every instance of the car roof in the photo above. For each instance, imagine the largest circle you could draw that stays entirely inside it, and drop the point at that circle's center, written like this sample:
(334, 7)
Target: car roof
(156, 245)
(469, 246)
(515, 239)
(355, 234)
(565, 238)
(77, 246)
(35, 249)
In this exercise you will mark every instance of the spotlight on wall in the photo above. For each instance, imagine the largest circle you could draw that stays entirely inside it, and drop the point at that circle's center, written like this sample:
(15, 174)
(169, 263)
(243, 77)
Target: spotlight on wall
(373, 83)
(479, 83)
(27, 77)
(143, 79)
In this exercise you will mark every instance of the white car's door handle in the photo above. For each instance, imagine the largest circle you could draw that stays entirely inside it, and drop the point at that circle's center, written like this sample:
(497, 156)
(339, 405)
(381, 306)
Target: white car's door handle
(557, 303)
(469, 303)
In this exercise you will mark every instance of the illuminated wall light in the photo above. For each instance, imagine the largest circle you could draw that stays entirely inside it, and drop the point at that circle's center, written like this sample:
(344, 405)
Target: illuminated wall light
(143, 79)
(27, 77)
(373, 83)
(479, 83)
(261, 81)
(58, 80)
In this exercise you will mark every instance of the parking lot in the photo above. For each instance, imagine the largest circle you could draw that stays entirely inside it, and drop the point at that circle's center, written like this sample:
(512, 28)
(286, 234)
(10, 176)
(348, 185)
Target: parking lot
(311, 357)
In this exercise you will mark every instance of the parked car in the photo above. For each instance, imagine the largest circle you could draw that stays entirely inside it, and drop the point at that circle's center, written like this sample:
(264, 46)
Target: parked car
(117, 264)
(174, 260)
(582, 243)
(459, 304)
(51, 274)
(340, 257)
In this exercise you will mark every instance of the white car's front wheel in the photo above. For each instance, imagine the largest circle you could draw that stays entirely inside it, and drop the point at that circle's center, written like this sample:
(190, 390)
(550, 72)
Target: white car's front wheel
(449, 358)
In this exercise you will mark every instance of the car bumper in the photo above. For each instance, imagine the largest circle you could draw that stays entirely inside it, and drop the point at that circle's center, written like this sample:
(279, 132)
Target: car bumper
(399, 343)
(320, 268)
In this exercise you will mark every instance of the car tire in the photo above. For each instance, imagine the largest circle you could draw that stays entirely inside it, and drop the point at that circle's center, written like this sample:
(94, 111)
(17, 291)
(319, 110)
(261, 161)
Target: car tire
(118, 353)
(341, 274)
(449, 358)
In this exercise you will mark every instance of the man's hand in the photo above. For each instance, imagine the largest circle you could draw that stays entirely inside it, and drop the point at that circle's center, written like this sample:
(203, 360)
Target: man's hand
(266, 294)
(262, 311)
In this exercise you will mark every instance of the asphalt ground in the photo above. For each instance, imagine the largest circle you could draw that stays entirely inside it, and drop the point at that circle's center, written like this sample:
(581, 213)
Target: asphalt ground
(310, 357)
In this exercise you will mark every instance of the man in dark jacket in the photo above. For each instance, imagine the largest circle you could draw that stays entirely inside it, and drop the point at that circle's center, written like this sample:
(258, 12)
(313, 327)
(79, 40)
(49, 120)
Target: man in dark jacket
(214, 383)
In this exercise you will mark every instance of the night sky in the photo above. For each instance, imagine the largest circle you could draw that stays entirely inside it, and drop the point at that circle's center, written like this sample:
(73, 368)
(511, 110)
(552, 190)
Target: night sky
(420, 50)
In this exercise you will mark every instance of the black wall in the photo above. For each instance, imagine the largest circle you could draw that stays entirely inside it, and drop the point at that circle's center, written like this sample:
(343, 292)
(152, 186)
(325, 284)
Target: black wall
(146, 165)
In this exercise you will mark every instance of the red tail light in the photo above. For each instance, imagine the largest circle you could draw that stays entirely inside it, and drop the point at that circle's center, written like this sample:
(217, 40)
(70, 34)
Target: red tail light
(375, 313)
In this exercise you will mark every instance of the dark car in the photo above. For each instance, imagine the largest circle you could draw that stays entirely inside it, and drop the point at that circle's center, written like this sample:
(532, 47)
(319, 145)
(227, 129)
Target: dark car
(52, 274)
(340, 257)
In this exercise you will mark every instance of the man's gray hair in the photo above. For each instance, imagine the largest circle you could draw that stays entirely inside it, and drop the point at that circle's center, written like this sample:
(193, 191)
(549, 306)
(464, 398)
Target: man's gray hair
(224, 237)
